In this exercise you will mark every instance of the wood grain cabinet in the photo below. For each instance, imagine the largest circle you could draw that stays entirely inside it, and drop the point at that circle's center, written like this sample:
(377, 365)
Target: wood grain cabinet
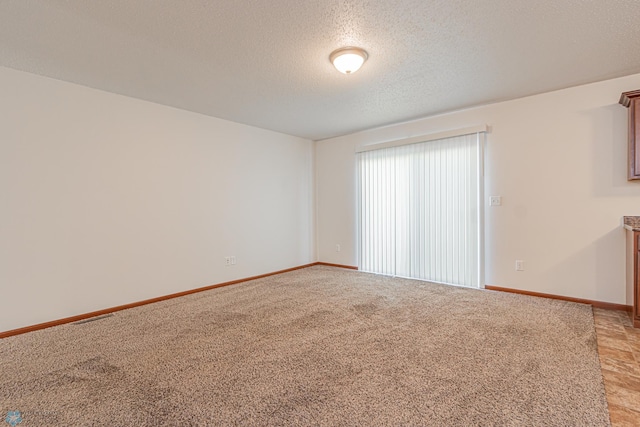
(636, 280)
(632, 225)
(631, 100)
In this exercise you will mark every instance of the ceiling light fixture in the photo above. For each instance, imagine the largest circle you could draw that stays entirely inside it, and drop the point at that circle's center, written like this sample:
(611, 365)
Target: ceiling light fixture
(348, 60)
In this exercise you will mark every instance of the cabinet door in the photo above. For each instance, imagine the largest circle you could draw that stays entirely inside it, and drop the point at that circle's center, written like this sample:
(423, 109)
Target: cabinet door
(634, 139)
(636, 282)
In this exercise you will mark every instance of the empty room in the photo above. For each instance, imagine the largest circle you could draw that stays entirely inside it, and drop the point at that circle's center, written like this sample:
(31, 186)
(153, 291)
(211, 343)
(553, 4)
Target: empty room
(331, 213)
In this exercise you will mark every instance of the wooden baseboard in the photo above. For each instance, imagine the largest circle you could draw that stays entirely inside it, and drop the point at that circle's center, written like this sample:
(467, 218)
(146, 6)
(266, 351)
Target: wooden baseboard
(24, 330)
(139, 303)
(597, 304)
(328, 264)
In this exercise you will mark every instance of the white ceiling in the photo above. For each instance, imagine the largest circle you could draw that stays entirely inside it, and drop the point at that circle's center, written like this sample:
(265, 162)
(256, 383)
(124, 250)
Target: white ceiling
(265, 62)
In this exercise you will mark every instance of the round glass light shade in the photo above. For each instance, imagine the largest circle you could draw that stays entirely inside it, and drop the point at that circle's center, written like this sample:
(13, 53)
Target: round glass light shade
(348, 60)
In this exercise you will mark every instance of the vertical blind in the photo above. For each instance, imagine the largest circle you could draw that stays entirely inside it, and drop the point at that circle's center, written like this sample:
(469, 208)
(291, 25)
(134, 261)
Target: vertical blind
(419, 210)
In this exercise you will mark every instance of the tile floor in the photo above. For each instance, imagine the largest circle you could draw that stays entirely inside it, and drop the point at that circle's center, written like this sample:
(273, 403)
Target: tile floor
(619, 350)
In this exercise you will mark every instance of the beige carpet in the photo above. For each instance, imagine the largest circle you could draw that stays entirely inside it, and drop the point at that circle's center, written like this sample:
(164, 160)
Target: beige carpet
(319, 346)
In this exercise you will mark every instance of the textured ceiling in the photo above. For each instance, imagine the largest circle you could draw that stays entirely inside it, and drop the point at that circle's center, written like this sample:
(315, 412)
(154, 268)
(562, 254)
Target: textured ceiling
(265, 62)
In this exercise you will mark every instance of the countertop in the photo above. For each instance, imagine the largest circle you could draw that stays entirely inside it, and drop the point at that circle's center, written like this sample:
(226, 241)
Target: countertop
(632, 223)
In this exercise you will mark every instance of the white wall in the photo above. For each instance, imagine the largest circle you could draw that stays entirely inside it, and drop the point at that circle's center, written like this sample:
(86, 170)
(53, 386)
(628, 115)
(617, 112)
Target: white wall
(107, 200)
(559, 162)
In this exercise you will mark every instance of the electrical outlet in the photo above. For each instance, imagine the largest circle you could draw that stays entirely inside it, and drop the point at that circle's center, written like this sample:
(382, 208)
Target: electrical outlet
(227, 260)
(495, 201)
(519, 265)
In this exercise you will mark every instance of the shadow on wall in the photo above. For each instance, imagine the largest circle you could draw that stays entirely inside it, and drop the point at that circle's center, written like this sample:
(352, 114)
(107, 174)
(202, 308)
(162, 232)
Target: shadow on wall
(605, 275)
(610, 265)
(609, 149)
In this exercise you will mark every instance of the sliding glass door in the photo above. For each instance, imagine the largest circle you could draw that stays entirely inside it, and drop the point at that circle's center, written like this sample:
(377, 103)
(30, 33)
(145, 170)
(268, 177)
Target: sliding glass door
(420, 210)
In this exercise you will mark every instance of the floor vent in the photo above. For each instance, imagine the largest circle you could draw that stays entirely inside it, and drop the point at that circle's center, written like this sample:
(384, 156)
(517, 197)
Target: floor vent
(93, 319)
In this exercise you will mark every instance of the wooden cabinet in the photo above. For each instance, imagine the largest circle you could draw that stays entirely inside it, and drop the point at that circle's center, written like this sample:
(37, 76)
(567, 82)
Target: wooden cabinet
(631, 100)
(636, 280)
(633, 273)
